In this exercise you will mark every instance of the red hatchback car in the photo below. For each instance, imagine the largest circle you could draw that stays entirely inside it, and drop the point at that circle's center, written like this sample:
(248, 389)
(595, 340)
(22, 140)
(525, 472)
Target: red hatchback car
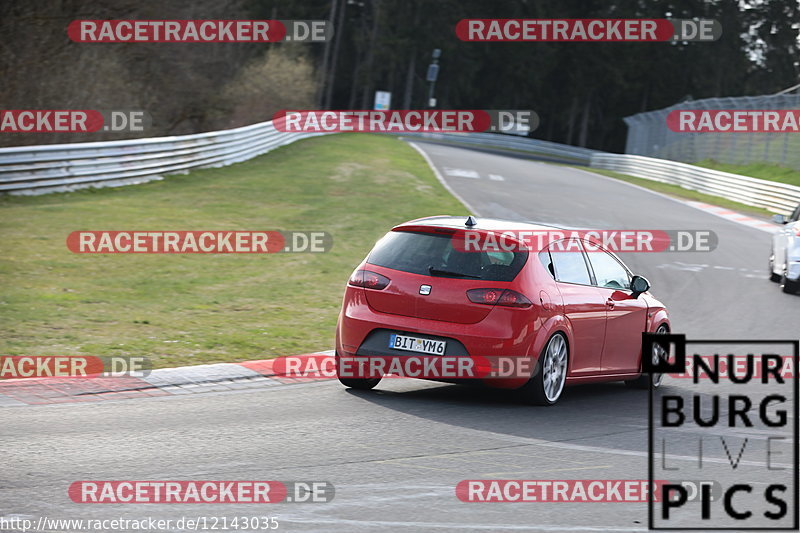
(572, 310)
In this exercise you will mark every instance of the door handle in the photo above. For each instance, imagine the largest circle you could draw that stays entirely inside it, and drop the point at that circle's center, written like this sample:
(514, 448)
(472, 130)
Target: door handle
(610, 303)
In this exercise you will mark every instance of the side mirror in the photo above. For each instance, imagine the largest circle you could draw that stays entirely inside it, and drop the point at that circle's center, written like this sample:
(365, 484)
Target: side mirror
(779, 219)
(639, 285)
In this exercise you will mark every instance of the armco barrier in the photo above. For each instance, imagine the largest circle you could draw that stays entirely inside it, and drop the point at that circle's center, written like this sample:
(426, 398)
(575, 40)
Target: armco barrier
(65, 167)
(778, 197)
(545, 150)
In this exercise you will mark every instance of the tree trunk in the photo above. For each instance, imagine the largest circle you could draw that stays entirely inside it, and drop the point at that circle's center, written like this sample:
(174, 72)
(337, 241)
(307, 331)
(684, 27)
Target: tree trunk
(356, 71)
(573, 111)
(337, 40)
(408, 94)
(645, 95)
(371, 55)
(584, 135)
(323, 69)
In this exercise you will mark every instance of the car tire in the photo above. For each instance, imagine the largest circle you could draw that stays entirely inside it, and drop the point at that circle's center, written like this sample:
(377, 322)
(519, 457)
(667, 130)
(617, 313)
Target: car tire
(360, 383)
(772, 275)
(547, 384)
(643, 381)
(356, 383)
(788, 286)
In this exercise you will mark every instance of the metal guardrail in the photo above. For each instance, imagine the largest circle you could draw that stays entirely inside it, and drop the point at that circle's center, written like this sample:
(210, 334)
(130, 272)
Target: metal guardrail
(66, 167)
(546, 150)
(778, 197)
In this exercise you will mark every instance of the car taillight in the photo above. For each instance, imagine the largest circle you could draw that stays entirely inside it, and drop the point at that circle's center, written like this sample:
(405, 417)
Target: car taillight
(504, 297)
(368, 280)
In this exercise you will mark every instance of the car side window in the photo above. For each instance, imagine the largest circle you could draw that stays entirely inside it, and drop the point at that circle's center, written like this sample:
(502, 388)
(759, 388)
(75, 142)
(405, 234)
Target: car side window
(570, 265)
(547, 262)
(608, 272)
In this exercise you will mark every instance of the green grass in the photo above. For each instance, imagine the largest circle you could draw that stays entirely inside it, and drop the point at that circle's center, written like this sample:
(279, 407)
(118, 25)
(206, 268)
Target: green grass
(191, 309)
(764, 171)
(680, 192)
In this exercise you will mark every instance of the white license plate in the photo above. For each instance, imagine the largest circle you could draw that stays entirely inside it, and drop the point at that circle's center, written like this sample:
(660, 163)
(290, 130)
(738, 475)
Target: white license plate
(414, 344)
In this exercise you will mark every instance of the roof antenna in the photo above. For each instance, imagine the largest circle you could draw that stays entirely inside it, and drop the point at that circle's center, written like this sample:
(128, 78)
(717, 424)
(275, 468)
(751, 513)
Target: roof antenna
(471, 221)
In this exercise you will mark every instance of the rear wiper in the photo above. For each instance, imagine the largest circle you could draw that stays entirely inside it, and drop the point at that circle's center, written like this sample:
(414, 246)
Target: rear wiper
(439, 272)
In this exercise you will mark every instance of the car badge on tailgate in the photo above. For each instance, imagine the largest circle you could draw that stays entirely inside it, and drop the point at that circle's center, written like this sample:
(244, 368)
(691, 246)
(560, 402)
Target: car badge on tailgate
(425, 289)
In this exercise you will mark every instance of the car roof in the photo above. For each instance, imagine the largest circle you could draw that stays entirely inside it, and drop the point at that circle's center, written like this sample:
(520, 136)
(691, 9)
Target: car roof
(489, 224)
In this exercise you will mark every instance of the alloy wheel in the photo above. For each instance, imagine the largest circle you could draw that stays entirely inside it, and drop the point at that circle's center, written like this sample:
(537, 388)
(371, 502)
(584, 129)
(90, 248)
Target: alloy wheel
(555, 368)
(659, 354)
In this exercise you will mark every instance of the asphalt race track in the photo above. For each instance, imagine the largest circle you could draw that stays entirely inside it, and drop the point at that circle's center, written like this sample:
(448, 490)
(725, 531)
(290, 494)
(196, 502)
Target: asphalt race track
(715, 295)
(395, 454)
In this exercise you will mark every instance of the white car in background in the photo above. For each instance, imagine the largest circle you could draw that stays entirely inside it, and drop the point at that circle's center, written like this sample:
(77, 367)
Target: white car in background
(784, 263)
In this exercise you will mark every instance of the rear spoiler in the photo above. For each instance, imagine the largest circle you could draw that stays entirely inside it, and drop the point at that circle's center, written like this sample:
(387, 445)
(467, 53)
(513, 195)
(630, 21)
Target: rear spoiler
(511, 241)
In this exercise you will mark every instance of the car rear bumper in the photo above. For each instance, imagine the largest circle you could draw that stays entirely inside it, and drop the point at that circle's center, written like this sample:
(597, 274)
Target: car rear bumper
(505, 332)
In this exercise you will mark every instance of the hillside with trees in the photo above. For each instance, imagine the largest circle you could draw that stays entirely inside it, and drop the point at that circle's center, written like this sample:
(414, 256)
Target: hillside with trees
(580, 90)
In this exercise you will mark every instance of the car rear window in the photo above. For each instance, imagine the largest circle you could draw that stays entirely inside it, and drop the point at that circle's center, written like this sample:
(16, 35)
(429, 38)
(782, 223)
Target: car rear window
(433, 254)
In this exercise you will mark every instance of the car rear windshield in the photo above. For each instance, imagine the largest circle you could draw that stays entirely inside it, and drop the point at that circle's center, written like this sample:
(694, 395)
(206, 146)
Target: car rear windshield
(433, 254)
